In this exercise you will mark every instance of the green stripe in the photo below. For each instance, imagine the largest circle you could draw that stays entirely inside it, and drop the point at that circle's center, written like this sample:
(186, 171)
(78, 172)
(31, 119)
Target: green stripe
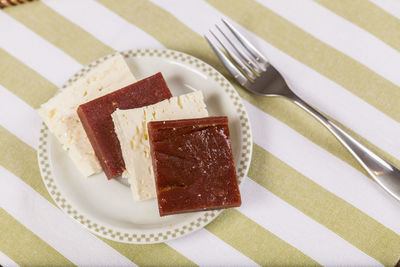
(23, 81)
(158, 22)
(324, 207)
(347, 72)
(151, 255)
(59, 31)
(368, 16)
(24, 247)
(256, 242)
(20, 159)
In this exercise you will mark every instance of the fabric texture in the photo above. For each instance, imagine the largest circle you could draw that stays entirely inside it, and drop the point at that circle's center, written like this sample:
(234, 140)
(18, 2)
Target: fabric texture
(306, 201)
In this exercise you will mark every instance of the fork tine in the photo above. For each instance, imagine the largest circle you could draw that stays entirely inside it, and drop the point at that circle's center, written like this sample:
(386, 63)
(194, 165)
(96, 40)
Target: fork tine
(246, 44)
(248, 61)
(238, 61)
(228, 64)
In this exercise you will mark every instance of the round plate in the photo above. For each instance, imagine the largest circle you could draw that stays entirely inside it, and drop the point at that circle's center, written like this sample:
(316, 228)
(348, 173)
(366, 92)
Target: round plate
(105, 207)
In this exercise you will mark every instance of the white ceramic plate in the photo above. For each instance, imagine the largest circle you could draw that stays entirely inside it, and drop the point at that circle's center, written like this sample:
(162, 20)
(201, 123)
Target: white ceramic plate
(106, 207)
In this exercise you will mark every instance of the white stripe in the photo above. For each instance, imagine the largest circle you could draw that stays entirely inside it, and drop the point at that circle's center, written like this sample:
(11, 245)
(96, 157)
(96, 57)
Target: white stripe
(205, 249)
(36, 52)
(324, 168)
(342, 35)
(299, 230)
(390, 6)
(107, 26)
(19, 118)
(6, 261)
(314, 88)
(53, 226)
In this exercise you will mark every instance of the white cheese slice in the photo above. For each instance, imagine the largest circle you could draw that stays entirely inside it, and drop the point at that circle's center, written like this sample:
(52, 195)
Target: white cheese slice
(131, 128)
(60, 116)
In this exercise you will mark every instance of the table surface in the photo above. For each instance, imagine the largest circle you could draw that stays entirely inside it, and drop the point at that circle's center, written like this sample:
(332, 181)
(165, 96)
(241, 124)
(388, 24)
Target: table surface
(306, 200)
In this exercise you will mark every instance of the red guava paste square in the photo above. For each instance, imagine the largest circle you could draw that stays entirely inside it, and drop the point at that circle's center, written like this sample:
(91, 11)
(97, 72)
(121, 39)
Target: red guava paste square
(98, 124)
(193, 165)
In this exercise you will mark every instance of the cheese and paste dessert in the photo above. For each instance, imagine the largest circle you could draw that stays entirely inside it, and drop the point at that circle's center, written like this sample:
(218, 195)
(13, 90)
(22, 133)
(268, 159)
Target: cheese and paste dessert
(96, 118)
(193, 165)
(60, 115)
(131, 128)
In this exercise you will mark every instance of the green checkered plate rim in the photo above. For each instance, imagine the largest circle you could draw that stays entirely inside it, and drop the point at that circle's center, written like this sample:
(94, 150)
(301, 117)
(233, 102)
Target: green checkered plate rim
(203, 218)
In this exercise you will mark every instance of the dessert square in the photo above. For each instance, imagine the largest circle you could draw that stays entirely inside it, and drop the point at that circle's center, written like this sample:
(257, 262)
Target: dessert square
(193, 165)
(98, 124)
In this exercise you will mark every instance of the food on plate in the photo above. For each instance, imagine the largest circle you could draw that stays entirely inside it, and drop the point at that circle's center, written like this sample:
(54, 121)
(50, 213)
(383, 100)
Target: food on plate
(60, 116)
(193, 165)
(131, 128)
(97, 122)
(167, 147)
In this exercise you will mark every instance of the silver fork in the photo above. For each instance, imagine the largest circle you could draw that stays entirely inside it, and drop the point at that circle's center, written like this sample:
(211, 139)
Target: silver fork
(251, 70)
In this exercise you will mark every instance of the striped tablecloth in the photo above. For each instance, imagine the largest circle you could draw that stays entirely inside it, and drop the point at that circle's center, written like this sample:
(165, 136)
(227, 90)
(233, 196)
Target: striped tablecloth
(306, 201)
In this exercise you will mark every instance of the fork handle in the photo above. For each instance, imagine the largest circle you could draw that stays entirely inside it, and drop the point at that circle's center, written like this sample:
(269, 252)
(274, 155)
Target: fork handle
(382, 171)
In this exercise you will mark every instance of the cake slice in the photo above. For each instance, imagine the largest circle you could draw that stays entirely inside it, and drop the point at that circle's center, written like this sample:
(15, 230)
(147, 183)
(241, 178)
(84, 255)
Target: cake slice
(96, 118)
(131, 128)
(193, 165)
(60, 116)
